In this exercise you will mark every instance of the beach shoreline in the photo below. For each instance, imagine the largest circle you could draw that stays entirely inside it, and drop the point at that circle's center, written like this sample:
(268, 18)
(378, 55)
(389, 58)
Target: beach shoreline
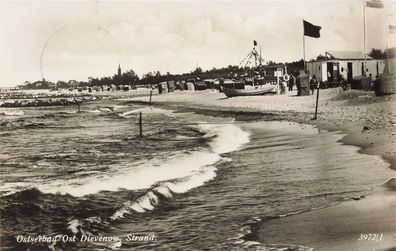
(367, 122)
(373, 138)
(358, 224)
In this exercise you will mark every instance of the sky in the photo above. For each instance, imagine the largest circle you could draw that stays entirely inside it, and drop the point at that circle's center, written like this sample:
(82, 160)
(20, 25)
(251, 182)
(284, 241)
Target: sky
(63, 40)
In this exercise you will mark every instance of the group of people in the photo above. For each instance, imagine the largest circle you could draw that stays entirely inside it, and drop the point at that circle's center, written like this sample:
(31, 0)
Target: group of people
(294, 81)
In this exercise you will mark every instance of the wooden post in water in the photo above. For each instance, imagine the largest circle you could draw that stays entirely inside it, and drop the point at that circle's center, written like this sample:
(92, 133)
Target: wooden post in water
(78, 107)
(151, 94)
(140, 125)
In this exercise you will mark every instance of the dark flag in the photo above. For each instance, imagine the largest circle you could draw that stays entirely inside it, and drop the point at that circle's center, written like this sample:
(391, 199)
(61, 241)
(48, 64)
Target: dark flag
(392, 29)
(311, 30)
(254, 42)
(374, 4)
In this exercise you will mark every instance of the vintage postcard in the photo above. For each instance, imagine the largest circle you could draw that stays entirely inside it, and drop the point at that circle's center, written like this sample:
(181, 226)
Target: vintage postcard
(198, 125)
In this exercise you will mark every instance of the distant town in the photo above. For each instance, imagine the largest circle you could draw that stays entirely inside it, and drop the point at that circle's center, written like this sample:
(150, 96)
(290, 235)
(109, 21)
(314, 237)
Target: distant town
(125, 80)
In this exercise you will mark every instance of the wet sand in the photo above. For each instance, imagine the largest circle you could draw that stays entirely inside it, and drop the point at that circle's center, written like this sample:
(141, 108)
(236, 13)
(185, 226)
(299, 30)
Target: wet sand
(373, 142)
(338, 227)
(369, 123)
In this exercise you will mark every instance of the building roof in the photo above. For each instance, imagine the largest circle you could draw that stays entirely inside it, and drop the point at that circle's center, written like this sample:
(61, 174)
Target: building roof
(345, 55)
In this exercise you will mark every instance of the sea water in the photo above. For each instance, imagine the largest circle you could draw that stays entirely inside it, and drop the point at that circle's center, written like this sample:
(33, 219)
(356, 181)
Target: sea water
(88, 181)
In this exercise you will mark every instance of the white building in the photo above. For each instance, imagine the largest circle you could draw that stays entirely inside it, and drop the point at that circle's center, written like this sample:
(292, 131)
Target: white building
(347, 63)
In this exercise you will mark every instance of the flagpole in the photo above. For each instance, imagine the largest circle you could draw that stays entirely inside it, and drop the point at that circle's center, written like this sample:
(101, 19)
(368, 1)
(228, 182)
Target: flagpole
(387, 48)
(387, 41)
(364, 38)
(304, 50)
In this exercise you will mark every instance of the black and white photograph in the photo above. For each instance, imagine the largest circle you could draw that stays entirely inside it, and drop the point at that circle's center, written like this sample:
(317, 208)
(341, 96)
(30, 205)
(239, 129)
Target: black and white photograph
(198, 125)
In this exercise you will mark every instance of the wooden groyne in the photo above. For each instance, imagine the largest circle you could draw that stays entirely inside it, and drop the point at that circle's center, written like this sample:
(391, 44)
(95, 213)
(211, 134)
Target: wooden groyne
(46, 102)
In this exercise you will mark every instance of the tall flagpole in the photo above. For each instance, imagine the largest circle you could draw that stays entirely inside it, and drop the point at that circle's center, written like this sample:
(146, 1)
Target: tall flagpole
(364, 38)
(304, 50)
(387, 48)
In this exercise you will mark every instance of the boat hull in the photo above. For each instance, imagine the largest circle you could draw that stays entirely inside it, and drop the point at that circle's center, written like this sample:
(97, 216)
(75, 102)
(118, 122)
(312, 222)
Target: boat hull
(230, 92)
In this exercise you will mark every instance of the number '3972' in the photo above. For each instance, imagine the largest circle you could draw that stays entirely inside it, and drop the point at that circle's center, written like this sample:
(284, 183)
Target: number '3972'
(371, 237)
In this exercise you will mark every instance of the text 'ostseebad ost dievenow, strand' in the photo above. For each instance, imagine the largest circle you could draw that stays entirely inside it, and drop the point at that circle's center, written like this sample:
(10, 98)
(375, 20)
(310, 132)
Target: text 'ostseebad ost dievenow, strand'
(85, 238)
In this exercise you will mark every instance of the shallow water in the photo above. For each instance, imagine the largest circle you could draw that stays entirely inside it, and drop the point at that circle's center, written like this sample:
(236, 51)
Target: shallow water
(193, 181)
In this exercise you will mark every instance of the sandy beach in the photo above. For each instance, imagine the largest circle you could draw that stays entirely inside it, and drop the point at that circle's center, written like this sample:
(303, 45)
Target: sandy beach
(346, 226)
(368, 122)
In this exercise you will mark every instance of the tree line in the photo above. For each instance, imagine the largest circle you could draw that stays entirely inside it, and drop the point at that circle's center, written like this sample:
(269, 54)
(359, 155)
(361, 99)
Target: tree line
(152, 78)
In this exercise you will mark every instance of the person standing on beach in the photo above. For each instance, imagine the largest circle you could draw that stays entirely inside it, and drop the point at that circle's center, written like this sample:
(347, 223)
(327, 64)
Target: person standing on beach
(313, 83)
(292, 82)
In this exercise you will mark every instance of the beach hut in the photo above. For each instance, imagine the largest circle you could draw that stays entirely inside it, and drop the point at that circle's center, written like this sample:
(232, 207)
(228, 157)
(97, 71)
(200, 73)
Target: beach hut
(386, 83)
(303, 84)
(106, 88)
(190, 86)
(163, 88)
(390, 62)
(181, 85)
(349, 64)
(171, 86)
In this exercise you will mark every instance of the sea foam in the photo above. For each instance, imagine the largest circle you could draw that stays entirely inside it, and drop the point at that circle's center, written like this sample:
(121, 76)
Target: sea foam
(227, 138)
(179, 173)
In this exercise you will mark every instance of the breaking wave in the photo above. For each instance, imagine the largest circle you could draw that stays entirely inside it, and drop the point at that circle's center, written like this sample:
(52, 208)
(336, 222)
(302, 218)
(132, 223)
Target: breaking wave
(152, 198)
(227, 138)
(178, 173)
(12, 113)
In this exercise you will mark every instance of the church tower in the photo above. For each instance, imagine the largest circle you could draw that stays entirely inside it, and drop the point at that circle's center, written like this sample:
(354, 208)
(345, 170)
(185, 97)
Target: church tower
(119, 70)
